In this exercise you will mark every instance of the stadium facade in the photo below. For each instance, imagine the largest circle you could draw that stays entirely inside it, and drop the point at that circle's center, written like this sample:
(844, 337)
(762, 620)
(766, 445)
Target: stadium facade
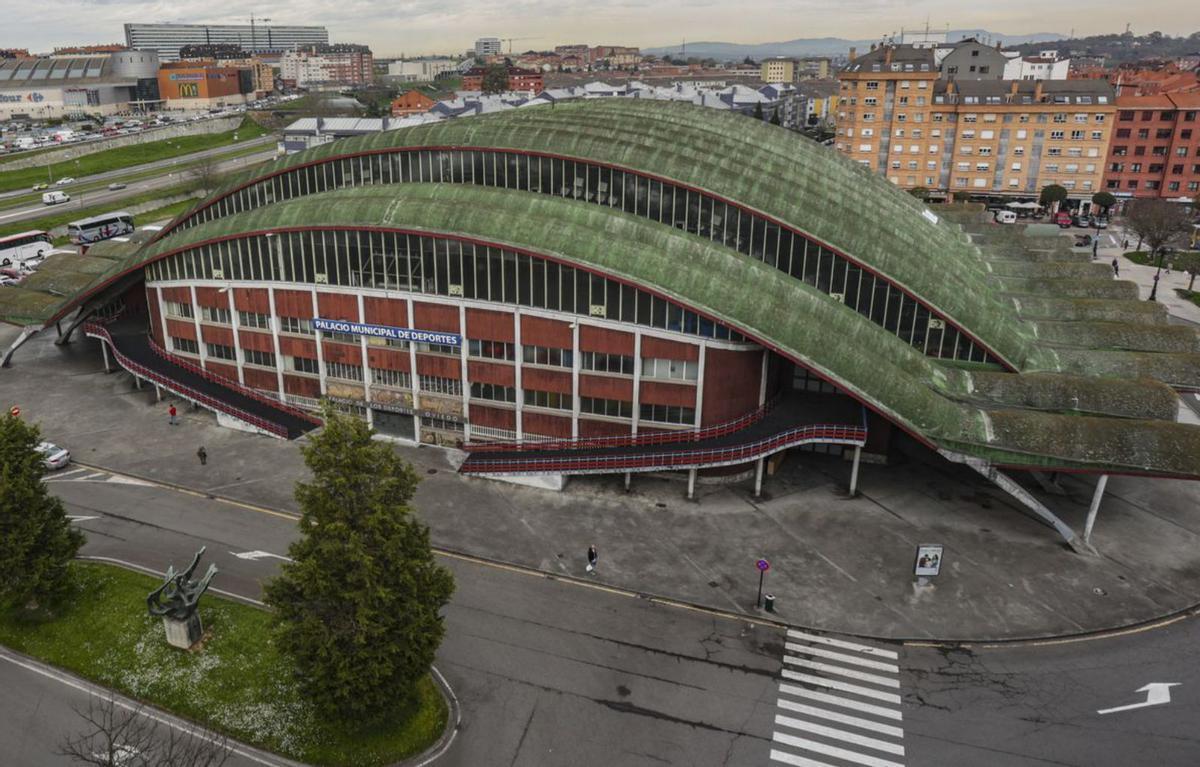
(624, 286)
(167, 39)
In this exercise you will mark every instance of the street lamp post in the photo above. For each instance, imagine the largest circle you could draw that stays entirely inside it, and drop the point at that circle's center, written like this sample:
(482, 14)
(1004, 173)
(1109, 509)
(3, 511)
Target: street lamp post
(1154, 287)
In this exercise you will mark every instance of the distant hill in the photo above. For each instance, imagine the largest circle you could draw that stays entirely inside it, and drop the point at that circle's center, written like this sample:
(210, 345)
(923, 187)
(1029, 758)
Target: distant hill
(825, 46)
(1124, 48)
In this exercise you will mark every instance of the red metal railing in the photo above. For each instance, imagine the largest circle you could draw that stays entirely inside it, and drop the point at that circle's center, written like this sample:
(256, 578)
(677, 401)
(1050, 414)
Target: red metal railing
(99, 331)
(229, 383)
(510, 464)
(628, 440)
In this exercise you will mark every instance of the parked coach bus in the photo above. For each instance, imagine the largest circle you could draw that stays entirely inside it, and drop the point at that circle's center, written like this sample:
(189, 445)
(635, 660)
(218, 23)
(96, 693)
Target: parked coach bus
(88, 230)
(16, 249)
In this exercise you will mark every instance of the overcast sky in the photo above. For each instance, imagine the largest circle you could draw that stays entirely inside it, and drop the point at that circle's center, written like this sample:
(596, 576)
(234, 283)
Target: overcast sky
(436, 26)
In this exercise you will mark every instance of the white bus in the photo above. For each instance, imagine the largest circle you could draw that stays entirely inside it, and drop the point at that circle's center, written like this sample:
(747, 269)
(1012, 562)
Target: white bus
(16, 249)
(88, 230)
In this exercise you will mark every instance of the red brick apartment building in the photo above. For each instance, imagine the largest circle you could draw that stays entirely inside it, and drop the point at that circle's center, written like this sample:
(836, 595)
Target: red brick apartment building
(1155, 146)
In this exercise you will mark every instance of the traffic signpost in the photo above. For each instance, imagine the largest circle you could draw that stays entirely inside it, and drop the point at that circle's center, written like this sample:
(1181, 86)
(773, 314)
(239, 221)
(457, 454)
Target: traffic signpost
(762, 565)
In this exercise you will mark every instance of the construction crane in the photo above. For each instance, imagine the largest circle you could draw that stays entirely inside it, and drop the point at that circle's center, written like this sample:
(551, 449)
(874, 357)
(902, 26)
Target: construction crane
(510, 40)
(253, 37)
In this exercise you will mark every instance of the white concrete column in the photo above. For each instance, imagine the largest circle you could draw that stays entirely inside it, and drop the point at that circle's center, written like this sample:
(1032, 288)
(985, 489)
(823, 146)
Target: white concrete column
(157, 393)
(316, 311)
(237, 341)
(199, 331)
(854, 471)
(162, 318)
(576, 366)
(628, 480)
(104, 351)
(520, 361)
(762, 386)
(691, 484)
(366, 364)
(275, 343)
(416, 379)
(637, 379)
(700, 385)
(1097, 496)
(465, 354)
(758, 476)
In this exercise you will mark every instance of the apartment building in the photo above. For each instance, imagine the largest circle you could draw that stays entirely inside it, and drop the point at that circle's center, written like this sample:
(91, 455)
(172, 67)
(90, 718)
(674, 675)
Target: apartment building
(902, 116)
(1155, 150)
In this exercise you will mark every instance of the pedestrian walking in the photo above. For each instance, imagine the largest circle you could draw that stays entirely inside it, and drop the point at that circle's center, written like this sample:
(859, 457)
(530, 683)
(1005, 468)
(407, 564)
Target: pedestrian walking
(592, 557)
(202, 454)
(1116, 267)
(1095, 247)
(1125, 245)
(173, 412)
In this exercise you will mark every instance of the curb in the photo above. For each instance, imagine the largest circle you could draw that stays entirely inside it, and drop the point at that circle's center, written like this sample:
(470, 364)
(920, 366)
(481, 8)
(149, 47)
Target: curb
(760, 620)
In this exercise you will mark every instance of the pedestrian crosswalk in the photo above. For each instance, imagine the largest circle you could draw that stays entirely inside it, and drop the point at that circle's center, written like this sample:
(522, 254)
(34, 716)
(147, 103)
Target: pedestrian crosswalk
(839, 704)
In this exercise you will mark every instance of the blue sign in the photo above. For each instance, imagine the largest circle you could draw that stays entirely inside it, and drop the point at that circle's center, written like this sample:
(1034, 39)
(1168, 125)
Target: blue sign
(386, 331)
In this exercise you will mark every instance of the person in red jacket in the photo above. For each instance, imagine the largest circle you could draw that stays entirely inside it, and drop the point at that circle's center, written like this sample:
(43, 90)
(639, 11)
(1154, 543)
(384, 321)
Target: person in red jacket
(173, 412)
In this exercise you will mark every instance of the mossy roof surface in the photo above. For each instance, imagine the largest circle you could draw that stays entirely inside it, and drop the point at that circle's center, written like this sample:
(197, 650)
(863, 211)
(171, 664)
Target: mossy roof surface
(61, 278)
(763, 167)
(916, 391)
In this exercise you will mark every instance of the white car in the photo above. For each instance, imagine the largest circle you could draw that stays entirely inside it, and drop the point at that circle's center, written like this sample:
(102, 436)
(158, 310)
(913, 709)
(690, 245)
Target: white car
(53, 456)
(64, 181)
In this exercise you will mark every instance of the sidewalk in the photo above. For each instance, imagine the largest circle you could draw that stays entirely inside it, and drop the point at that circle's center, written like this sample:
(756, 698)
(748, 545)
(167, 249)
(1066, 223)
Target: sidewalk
(837, 563)
(1182, 308)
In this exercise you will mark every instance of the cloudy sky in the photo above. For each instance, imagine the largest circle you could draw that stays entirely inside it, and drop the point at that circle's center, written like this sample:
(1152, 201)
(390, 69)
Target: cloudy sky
(393, 27)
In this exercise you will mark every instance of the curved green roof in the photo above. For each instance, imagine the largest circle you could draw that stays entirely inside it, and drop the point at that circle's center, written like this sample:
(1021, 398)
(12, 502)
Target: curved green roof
(776, 172)
(940, 404)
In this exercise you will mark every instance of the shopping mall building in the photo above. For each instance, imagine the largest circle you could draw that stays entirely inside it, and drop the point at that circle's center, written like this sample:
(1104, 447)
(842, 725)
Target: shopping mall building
(624, 286)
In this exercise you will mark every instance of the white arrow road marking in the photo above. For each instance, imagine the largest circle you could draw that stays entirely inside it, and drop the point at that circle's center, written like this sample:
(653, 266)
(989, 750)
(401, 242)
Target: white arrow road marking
(74, 518)
(1157, 693)
(257, 555)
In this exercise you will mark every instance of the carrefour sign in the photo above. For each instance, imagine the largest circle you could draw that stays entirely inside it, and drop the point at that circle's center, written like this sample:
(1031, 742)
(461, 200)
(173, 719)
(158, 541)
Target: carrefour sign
(387, 331)
(36, 98)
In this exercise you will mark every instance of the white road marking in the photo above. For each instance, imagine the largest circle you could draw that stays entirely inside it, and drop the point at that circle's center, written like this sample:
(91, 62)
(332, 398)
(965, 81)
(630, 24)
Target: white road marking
(80, 519)
(1157, 693)
(861, 676)
(834, 700)
(257, 555)
(833, 716)
(835, 684)
(834, 751)
(865, 649)
(836, 734)
(843, 658)
(66, 474)
(797, 761)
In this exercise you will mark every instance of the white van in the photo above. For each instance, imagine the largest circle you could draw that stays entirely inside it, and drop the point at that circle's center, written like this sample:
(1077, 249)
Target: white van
(1006, 217)
(54, 198)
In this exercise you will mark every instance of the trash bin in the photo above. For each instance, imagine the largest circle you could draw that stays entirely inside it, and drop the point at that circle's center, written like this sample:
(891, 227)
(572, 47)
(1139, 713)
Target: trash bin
(769, 602)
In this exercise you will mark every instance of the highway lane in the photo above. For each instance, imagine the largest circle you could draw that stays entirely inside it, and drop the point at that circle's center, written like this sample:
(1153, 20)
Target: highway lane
(268, 140)
(546, 671)
(106, 196)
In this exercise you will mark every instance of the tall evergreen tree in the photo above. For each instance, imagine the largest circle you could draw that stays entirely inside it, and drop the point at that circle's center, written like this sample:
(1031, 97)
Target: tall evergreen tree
(758, 112)
(775, 117)
(358, 609)
(37, 542)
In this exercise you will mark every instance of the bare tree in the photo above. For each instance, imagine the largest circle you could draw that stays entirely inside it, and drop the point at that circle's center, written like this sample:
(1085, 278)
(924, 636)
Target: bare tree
(114, 736)
(205, 176)
(1158, 223)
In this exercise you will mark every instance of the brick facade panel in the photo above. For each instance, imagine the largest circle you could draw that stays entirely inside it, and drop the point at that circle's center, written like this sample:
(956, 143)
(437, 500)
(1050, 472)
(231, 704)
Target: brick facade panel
(669, 350)
(732, 381)
(334, 306)
(606, 387)
(294, 303)
(386, 311)
(490, 372)
(388, 359)
(435, 317)
(214, 334)
(438, 365)
(546, 380)
(593, 339)
(179, 329)
(546, 425)
(252, 300)
(538, 331)
(497, 418)
(487, 325)
(656, 393)
(302, 386)
(250, 339)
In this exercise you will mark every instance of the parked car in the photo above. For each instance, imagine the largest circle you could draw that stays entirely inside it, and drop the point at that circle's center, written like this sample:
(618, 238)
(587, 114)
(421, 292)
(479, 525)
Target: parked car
(1100, 222)
(64, 181)
(8, 282)
(114, 186)
(1006, 217)
(1063, 219)
(53, 456)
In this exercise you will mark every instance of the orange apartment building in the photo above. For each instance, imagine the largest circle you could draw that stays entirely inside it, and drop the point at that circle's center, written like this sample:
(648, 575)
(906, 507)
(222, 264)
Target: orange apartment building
(898, 115)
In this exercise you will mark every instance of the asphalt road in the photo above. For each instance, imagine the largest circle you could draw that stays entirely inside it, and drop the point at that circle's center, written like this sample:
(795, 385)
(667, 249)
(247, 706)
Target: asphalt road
(555, 672)
(104, 196)
(167, 163)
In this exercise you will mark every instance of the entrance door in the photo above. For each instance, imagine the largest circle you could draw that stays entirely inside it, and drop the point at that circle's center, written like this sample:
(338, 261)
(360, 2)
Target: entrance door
(394, 424)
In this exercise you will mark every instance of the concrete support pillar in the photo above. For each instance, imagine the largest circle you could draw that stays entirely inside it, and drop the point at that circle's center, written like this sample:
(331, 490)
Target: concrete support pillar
(854, 471)
(104, 351)
(137, 381)
(1094, 508)
(628, 480)
(691, 484)
(758, 476)
(157, 393)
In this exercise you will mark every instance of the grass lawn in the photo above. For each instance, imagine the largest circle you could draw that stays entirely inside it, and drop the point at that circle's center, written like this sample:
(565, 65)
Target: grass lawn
(238, 684)
(1143, 257)
(1139, 257)
(1191, 295)
(127, 156)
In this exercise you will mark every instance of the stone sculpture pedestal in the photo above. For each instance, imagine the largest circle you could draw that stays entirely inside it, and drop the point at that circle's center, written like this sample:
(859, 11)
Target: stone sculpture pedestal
(183, 634)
